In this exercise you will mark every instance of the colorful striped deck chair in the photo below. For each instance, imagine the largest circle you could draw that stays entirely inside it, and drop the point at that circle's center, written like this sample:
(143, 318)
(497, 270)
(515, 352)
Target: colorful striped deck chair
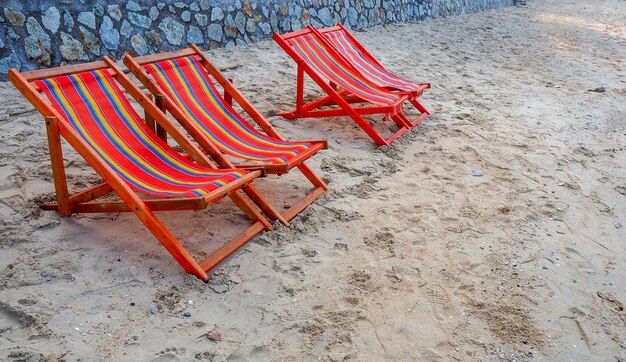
(344, 85)
(182, 79)
(85, 105)
(340, 38)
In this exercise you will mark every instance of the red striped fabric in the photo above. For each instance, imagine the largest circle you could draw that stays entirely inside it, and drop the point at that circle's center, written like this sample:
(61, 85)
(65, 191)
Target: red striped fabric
(96, 109)
(368, 66)
(187, 82)
(332, 66)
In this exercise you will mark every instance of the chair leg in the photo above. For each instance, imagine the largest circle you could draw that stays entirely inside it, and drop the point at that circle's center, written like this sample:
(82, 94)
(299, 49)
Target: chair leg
(320, 188)
(249, 209)
(170, 243)
(423, 112)
(226, 250)
(264, 204)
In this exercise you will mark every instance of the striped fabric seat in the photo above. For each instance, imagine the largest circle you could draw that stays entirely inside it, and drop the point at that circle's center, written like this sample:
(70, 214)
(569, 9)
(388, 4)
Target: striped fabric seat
(186, 81)
(95, 107)
(367, 66)
(331, 66)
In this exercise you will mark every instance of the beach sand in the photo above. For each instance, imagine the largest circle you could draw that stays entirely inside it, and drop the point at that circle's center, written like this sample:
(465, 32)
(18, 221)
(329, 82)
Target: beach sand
(408, 257)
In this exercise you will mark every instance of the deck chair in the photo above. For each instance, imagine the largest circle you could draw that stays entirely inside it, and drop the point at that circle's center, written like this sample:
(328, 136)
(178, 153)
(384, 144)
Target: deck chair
(344, 85)
(85, 105)
(182, 79)
(353, 52)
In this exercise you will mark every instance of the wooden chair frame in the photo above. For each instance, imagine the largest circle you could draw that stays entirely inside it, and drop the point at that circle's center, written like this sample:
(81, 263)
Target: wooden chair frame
(344, 100)
(84, 202)
(135, 65)
(411, 95)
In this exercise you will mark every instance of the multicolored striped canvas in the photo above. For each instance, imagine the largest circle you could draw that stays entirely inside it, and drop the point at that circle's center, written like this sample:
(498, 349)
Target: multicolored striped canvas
(96, 109)
(371, 69)
(187, 82)
(331, 66)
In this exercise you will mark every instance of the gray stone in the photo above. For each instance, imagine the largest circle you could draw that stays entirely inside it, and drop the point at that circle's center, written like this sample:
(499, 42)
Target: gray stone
(186, 16)
(194, 35)
(87, 18)
(326, 17)
(265, 28)
(240, 42)
(153, 38)
(109, 36)
(115, 12)
(180, 5)
(11, 61)
(37, 51)
(14, 17)
(1, 43)
(274, 21)
(51, 19)
(133, 6)
(160, 6)
(71, 49)
(68, 21)
(296, 24)
(353, 16)
(363, 23)
(194, 6)
(285, 25)
(204, 5)
(265, 11)
(173, 30)
(215, 32)
(217, 14)
(230, 28)
(12, 34)
(250, 26)
(240, 22)
(98, 10)
(230, 44)
(373, 17)
(316, 23)
(313, 12)
(202, 20)
(140, 20)
(126, 29)
(35, 30)
(139, 44)
(153, 13)
(90, 41)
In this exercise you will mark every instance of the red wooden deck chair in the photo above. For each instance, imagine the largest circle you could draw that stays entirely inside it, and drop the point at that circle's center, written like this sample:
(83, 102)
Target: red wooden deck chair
(84, 105)
(183, 80)
(344, 85)
(340, 38)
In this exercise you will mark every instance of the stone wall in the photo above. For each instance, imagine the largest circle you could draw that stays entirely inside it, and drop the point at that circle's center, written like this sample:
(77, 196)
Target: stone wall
(43, 33)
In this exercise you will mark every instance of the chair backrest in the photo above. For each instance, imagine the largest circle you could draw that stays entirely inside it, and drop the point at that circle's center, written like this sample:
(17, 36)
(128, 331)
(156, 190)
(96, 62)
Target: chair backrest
(188, 84)
(328, 63)
(94, 106)
(364, 62)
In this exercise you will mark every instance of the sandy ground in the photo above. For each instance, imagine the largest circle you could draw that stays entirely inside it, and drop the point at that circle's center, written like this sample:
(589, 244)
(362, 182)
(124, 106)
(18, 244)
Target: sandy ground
(409, 257)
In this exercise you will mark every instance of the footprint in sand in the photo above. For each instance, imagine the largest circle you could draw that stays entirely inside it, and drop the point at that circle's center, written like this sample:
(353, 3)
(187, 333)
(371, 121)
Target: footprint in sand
(381, 240)
(170, 354)
(441, 302)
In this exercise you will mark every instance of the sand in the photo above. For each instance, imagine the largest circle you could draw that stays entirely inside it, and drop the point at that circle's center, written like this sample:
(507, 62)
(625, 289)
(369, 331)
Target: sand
(408, 257)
